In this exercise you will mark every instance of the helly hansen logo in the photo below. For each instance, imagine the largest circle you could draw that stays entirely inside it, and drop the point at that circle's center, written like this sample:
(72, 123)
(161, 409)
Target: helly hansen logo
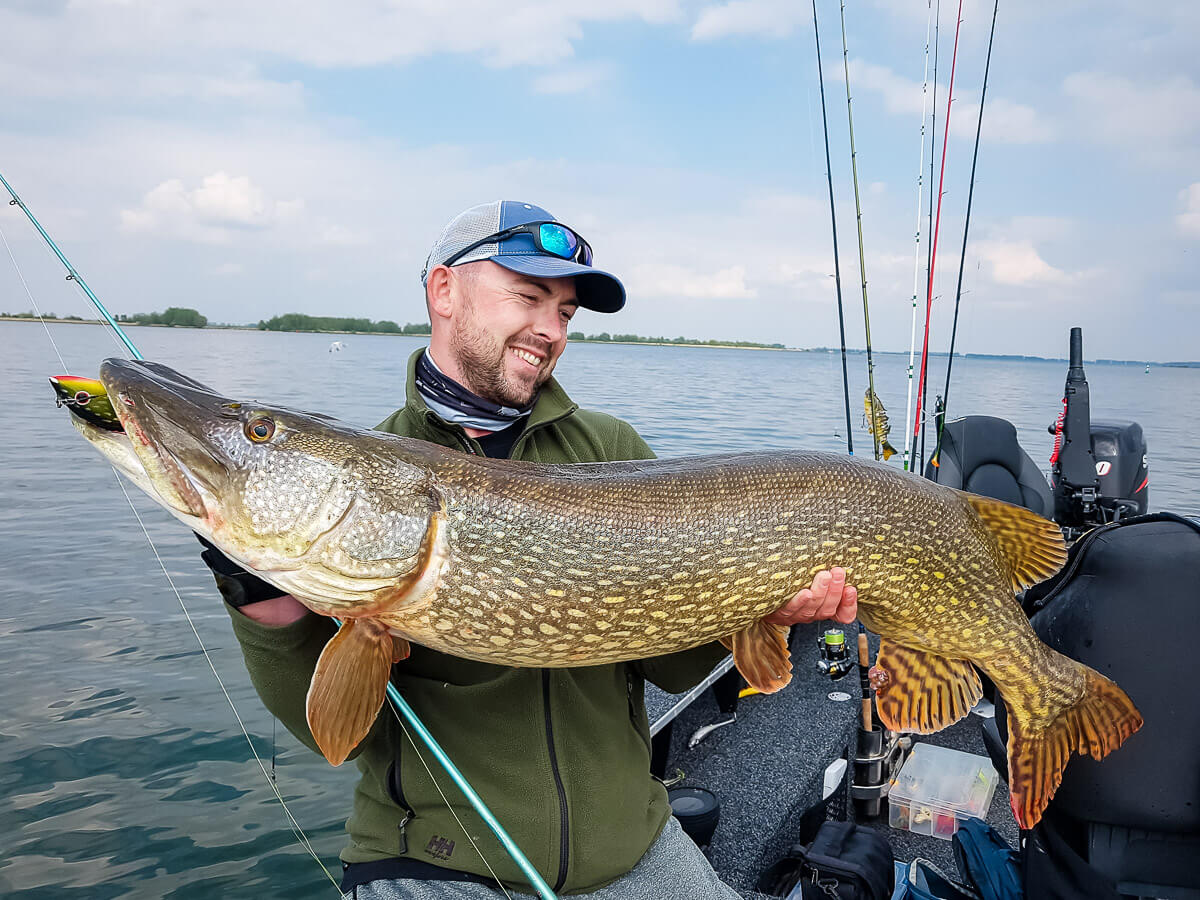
(440, 847)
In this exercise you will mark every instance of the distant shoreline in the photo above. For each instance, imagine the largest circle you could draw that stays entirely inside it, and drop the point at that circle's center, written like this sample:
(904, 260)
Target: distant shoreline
(1189, 364)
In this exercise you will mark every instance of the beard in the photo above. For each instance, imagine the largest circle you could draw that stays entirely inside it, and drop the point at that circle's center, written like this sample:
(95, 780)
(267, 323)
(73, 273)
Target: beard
(481, 359)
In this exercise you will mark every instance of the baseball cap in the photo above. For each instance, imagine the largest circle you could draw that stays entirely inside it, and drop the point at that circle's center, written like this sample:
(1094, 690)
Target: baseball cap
(595, 289)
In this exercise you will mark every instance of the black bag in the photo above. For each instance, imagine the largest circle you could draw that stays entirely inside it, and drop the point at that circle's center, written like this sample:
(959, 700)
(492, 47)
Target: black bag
(844, 862)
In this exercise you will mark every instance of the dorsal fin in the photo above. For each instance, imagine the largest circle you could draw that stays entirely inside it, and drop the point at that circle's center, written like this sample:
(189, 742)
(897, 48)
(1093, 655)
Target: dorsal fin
(1032, 546)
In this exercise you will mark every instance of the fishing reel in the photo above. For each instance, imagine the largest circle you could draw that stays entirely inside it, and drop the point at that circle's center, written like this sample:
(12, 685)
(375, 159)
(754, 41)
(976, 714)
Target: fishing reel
(835, 660)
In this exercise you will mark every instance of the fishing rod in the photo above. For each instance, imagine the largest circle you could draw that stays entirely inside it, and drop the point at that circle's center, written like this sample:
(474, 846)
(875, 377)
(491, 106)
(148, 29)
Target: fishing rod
(919, 423)
(399, 704)
(837, 268)
(937, 42)
(72, 274)
(862, 261)
(912, 338)
(962, 260)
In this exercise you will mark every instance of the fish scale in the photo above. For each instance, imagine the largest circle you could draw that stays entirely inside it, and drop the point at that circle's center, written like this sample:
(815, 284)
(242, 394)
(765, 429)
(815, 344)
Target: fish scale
(752, 530)
(520, 564)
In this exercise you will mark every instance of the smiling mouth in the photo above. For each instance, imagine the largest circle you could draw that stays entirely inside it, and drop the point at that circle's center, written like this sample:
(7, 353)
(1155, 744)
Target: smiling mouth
(527, 356)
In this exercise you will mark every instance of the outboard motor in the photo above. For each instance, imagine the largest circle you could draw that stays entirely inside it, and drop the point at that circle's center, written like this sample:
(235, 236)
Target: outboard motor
(1072, 465)
(1098, 469)
(1120, 452)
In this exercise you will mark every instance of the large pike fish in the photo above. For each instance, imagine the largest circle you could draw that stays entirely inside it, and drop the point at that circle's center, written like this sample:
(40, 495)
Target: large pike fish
(574, 565)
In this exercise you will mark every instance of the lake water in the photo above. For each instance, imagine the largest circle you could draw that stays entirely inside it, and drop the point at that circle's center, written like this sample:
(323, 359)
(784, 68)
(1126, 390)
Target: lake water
(122, 770)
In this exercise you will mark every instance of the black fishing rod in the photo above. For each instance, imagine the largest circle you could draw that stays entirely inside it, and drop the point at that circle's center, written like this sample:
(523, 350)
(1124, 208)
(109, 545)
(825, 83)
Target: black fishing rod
(837, 269)
(862, 261)
(962, 260)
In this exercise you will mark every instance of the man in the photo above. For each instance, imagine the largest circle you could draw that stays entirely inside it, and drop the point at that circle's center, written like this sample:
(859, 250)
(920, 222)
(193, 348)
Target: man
(560, 755)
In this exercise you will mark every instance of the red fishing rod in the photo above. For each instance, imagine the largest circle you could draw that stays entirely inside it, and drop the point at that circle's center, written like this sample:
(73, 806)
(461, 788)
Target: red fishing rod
(962, 260)
(918, 424)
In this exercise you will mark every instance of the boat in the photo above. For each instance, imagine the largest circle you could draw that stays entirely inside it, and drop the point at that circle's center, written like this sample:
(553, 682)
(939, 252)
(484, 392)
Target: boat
(766, 771)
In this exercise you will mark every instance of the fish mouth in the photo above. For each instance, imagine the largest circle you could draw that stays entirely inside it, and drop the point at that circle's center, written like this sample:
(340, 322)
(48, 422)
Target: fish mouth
(170, 422)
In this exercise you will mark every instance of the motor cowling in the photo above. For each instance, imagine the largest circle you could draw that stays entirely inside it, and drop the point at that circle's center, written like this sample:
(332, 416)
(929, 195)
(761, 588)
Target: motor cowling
(1120, 452)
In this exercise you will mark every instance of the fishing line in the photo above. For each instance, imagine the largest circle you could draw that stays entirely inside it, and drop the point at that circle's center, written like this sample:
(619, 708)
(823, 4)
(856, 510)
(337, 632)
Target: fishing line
(295, 825)
(400, 706)
(296, 829)
(837, 268)
(446, 800)
(912, 339)
(920, 422)
(72, 275)
(862, 261)
(962, 261)
(36, 308)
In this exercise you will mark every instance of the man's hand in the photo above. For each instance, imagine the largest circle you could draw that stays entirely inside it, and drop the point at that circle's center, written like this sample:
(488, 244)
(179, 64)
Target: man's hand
(828, 598)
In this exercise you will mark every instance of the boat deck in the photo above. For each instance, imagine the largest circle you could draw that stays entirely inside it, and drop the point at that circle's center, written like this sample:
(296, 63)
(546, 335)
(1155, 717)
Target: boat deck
(767, 768)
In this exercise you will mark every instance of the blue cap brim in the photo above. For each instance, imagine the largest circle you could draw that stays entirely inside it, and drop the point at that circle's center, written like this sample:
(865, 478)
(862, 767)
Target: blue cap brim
(595, 289)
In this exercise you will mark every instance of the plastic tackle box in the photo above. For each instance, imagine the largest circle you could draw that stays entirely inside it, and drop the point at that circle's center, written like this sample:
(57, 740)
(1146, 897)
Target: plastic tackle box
(937, 787)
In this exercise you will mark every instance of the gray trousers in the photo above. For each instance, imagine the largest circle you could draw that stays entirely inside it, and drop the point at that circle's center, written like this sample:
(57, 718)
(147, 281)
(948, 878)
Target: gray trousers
(672, 869)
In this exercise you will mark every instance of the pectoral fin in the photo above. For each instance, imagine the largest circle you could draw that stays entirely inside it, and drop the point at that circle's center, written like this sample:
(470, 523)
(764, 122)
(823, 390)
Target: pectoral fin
(921, 692)
(760, 653)
(349, 686)
(400, 649)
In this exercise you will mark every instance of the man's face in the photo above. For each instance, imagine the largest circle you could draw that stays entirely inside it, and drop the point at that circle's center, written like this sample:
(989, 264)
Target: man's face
(508, 330)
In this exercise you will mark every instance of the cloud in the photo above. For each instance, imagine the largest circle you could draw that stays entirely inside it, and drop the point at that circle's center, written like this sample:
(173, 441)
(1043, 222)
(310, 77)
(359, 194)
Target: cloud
(1018, 263)
(673, 281)
(744, 18)
(1004, 121)
(208, 212)
(1188, 221)
(574, 79)
(1159, 118)
(349, 34)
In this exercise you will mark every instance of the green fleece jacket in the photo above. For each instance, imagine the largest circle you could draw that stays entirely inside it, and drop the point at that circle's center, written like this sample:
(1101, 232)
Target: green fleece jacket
(562, 756)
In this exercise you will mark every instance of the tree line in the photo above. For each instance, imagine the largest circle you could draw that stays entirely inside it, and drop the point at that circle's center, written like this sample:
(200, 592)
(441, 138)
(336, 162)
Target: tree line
(639, 339)
(181, 316)
(172, 315)
(30, 314)
(302, 322)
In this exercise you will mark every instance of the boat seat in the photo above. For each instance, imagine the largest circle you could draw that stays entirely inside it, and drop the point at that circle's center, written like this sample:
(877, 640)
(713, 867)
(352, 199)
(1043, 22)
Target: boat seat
(980, 454)
(1134, 817)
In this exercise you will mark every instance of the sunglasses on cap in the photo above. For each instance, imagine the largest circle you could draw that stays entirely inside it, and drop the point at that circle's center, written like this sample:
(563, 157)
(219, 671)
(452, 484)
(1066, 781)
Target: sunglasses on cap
(552, 238)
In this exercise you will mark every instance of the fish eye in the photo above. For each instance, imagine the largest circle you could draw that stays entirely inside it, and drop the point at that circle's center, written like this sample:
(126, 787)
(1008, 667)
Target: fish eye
(259, 430)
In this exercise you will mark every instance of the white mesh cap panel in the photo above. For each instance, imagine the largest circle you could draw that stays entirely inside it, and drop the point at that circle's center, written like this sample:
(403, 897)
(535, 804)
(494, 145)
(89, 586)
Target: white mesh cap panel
(463, 230)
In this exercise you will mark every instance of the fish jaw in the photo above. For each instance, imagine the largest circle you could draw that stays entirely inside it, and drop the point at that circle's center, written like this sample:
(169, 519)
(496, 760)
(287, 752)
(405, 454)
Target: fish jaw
(310, 505)
(168, 458)
(115, 446)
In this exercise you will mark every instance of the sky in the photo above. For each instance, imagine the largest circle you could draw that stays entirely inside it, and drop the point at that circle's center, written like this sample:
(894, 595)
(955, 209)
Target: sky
(254, 158)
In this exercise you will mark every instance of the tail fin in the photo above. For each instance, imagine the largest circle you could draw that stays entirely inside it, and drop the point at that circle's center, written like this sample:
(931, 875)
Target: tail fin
(888, 450)
(1097, 724)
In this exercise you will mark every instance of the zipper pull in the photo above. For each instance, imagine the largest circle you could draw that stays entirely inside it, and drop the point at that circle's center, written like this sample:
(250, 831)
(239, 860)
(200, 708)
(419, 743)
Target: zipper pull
(408, 817)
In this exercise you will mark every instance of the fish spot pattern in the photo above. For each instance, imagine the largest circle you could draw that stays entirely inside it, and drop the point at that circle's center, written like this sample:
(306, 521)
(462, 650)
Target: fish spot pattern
(603, 563)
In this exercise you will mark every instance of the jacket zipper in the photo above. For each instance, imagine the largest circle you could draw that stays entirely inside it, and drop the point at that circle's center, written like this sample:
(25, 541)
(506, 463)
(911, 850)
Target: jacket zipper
(564, 821)
(564, 855)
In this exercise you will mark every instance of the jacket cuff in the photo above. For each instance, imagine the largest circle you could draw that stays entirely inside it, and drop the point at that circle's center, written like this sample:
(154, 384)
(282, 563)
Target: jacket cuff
(679, 672)
(277, 638)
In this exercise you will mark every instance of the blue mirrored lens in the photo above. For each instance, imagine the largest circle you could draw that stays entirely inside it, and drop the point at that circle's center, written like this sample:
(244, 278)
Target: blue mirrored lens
(557, 240)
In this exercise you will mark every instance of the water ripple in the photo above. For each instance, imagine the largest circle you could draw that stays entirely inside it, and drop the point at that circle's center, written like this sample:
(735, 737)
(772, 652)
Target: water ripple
(122, 772)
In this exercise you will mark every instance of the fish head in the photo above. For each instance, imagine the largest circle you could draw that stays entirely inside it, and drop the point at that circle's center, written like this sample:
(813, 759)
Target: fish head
(328, 511)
